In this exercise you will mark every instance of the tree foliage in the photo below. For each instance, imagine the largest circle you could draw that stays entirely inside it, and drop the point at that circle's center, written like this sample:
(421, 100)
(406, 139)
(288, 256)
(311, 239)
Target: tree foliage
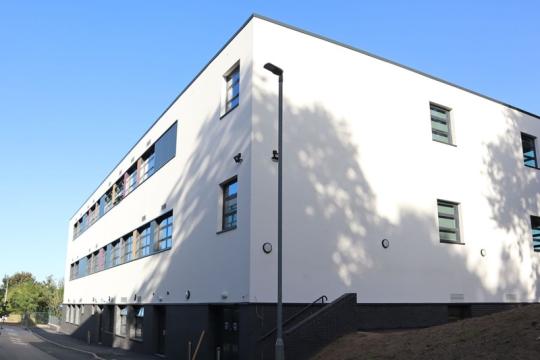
(26, 295)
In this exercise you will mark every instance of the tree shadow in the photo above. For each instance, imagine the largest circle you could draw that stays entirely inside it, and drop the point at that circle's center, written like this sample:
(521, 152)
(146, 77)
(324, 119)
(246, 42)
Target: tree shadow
(334, 223)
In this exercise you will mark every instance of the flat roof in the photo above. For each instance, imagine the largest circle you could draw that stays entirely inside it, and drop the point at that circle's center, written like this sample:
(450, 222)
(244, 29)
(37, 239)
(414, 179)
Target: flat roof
(294, 28)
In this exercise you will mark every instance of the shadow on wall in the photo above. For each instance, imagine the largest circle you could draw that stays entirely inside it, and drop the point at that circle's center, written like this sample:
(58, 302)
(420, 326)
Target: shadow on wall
(513, 198)
(340, 223)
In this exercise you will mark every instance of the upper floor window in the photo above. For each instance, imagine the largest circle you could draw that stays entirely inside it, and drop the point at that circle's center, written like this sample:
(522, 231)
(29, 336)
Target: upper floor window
(440, 124)
(230, 192)
(448, 221)
(232, 88)
(128, 247)
(116, 259)
(148, 164)
(165, 233)
(132, 178)
(145, 241)
(529, 150)
(535, 227)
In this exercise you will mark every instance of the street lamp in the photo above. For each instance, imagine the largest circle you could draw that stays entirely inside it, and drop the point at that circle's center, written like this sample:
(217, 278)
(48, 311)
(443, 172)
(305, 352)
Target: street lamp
(280, 349)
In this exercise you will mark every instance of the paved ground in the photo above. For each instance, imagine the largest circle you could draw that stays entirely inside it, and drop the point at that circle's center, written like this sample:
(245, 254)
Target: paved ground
(19, 344)
(16, 343)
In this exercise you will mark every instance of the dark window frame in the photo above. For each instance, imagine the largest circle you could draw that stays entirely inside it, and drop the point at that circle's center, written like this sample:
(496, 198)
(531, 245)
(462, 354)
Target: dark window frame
(164, 231)
(233, 101)
(455, 217)
(535, 237)
(448, 123)
(225, 198)
(526, 158)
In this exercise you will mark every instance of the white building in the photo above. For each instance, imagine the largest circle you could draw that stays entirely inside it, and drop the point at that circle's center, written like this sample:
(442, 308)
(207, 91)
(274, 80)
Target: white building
(373, 150)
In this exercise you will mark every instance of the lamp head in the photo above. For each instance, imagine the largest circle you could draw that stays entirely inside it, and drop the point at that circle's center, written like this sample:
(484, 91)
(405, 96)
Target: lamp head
(273, 69)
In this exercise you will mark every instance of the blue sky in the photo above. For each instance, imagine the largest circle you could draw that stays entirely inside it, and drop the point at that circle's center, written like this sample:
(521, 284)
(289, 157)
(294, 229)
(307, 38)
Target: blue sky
(81, 81)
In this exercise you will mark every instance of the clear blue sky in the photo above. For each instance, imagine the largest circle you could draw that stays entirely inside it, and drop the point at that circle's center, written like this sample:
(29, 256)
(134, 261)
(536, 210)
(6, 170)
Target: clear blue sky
(80, 81)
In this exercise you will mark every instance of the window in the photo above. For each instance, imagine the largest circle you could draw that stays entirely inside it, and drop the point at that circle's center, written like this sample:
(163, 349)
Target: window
(145, 241)
(122, 323)
(448, 221)
(116, 259)
(107, 201)
(529, 150)
(148, 164)
(440, 124)
(139, 320)
(118, 191)
(81, 267)
(165, 147)
(535, 227)
(107, 255)
(165, 233)
(232, 89)
(128, 247)
(230, 190)
(131, 179)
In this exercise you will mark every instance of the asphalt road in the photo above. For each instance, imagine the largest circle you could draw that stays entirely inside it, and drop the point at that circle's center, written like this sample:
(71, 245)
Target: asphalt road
(19, 344)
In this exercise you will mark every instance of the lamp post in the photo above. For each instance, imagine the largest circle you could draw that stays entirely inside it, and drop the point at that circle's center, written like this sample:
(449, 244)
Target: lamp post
(280, 349)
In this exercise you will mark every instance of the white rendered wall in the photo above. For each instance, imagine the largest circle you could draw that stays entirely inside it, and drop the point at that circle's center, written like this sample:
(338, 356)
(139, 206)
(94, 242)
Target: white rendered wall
(206, 263)
(360, 166)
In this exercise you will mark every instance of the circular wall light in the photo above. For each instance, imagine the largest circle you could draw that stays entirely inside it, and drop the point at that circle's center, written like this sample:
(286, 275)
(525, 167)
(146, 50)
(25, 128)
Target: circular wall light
(483, 252)
(267, 248)
(385, 243)
(188, 294)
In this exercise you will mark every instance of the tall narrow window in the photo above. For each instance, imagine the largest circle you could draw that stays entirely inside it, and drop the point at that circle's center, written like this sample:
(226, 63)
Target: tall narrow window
(535, 227)
(122, 323)
(448, 221)
(148, 164)
(132, 179)
(232, 89)
(118, 191)
(230, 191)
(529, 150)
(145, 241)
(116, 259)
(128, 247)
(440, 124)
(139, 320)
(165, 233)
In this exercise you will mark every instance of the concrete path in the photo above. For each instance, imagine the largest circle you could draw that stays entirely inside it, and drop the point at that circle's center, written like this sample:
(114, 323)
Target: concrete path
(19, 344)
(96, 352)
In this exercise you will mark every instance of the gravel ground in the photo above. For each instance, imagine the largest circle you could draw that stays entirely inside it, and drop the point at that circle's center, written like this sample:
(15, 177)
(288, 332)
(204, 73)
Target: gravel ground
(512, 334)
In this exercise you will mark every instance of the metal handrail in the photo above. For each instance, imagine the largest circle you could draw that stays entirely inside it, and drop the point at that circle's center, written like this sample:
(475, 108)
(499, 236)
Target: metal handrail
(322, 299)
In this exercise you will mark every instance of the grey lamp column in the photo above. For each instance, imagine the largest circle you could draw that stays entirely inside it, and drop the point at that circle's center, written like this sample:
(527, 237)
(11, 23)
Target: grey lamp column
(280, 346)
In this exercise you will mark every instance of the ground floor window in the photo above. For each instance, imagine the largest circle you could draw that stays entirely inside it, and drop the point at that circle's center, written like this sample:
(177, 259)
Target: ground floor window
(139, 320)
(122, 321)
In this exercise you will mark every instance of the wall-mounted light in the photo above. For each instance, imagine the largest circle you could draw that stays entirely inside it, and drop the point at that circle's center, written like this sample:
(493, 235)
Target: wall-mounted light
(188, 294)
(275, 156)
(238, 158)
(224, 295)
(267, 248)
(168, 293)
(483, 252)
(385, 243)
(135, 297)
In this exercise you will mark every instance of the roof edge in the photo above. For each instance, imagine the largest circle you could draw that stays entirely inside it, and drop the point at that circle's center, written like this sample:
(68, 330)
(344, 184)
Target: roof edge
(168, 107)
(321, 37)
